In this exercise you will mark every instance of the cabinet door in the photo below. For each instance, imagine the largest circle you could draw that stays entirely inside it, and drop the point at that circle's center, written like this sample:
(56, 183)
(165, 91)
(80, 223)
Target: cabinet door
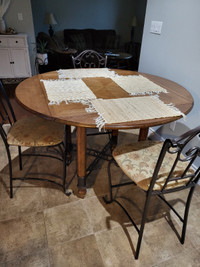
(21, 64)
(5, 63)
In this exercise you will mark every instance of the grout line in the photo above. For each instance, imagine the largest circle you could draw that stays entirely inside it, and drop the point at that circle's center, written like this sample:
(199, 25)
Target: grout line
(46, 240)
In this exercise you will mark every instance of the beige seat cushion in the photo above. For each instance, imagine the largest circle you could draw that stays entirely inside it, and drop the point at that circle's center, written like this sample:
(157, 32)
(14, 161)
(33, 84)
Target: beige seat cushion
(138, 161)
(35, 131)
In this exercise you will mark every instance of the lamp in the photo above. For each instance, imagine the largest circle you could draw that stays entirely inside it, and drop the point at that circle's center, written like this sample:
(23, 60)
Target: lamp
(49, 19)
(133, 25)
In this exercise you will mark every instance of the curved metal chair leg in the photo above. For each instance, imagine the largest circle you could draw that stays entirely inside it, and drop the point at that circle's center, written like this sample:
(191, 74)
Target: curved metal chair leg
(64, 170)
(141, 231)
(20, 157)
(105, 198)
(187, 207)
(10, 171)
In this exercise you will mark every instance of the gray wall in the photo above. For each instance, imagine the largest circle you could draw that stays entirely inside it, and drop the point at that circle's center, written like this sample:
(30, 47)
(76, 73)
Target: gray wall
(97, 14)
(24, 26)
(175, 54)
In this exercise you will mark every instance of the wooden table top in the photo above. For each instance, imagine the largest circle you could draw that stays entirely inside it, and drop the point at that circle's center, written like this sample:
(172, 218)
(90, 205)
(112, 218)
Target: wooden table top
(32, 96)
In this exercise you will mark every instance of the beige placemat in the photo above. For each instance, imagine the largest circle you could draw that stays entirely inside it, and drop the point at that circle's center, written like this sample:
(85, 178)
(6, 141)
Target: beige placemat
(67, 91)
(131, 109)
(138, 85)
(85, 73)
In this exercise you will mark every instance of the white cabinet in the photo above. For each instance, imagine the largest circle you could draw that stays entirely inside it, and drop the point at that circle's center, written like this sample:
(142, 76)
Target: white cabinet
(14, 56)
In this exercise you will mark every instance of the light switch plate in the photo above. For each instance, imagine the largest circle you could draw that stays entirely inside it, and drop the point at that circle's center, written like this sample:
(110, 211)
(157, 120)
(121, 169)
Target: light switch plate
(20, 16)
(156, 27)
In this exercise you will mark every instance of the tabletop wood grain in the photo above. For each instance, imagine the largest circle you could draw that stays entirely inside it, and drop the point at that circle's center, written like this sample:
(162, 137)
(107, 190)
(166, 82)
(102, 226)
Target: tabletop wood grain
(32, 96)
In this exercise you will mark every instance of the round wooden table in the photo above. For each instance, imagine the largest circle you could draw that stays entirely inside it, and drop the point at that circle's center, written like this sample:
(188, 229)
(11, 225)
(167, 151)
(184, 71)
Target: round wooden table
(32, 96)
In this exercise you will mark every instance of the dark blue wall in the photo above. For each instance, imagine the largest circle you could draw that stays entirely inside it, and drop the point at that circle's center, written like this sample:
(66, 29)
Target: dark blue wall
(81, 14)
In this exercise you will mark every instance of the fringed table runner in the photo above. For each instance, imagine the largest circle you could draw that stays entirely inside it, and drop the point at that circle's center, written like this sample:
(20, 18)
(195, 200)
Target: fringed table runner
(137, 85)
(86, 73)
(131, 109)
(67, 91)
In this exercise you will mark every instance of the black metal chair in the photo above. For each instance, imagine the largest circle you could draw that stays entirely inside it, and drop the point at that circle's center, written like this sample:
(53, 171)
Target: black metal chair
(89, 59)
(32, 132)
(158, 168)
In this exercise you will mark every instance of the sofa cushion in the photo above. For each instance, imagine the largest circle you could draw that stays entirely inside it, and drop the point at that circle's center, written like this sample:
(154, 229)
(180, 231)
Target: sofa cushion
(79, 41)
(102, 38)
(73, 36)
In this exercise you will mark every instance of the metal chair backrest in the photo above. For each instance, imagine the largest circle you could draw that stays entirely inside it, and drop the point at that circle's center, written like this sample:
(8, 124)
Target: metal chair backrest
(183, 153)
(89, 59)
(7, 115)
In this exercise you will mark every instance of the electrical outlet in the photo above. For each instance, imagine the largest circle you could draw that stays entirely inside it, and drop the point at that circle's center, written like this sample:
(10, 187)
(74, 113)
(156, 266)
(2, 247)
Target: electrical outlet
(20, 16)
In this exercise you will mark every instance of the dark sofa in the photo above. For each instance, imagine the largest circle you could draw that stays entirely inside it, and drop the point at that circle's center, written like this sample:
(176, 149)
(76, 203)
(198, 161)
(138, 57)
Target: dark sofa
(58, 57)
(99, 40)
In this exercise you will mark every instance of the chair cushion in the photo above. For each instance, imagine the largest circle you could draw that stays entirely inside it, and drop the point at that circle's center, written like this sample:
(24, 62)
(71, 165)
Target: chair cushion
(35, 131)
(138, 161)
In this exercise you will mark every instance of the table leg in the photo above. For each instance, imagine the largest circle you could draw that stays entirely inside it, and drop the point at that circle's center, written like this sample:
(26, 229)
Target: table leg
(114, 139)
(81, 160)
(143, 134)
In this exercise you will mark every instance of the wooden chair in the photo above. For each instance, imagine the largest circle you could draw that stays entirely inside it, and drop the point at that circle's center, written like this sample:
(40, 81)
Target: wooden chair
(167, 168)
(32, 132)
(89, 59)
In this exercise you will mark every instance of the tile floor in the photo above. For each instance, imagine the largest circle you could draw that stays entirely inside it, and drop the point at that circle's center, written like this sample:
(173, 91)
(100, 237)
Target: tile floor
(41, 226)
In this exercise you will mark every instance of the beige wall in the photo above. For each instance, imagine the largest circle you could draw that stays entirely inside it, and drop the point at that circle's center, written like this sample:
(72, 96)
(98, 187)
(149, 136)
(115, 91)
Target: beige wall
(24, 26)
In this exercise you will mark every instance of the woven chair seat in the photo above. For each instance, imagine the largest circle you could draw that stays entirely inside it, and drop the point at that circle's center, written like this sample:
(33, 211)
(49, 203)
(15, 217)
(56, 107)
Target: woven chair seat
(35, 132)
(138, 161)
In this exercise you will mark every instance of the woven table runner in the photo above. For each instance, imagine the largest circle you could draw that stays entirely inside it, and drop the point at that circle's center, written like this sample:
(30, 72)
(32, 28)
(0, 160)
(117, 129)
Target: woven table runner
(67, 91)
(131, 109)
(85, 73)
(137, 85)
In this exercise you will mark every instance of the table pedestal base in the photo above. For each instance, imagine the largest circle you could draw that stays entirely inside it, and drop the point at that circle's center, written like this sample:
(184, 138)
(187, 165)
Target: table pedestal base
(81, 186)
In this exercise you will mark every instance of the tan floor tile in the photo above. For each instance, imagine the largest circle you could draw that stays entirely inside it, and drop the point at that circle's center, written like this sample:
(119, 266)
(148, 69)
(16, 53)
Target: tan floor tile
(3, 154)
(159, 243)
(193, 226)
(66, 222)
(53, 196)
(190, 258)
(71, 222)
(117, 248)
(103, 216)
(97, 183)
(22, 236)
(197, 192)
(40, 258)
(81, 252)
(159, 235)
(26, 199)
(193, 230)
(178, 199)
(133, 199)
